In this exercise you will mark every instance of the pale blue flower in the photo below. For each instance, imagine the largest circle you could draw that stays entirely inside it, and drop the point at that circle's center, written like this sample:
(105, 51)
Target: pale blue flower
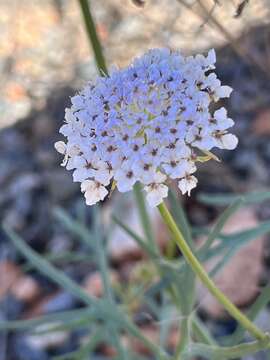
(146, 123)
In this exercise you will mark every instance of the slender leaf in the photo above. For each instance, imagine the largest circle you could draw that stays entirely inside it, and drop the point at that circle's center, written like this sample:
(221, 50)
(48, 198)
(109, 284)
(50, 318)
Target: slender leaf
(217, 353)
(103, 268)
(80, 323)
(74, 226)
(141, 242)
(220, 224)
(48, 270)
(101, 256)
(64, 316)
(223, 261)
(262, 300)
(170, 272)
(236, 240)
(201, 332)
(85, 350)
(183, 342)
(180, 217)
(103, 309)
(144, 216)
(166, 320)
(227, 199)
(66, 256)
(188, 279)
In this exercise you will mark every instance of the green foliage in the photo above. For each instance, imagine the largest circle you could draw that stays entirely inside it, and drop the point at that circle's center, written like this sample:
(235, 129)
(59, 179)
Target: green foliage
(227, 199)
(169, 279)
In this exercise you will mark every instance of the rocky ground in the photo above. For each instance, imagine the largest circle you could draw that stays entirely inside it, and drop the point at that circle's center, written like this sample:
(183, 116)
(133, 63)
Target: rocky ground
(45, 60)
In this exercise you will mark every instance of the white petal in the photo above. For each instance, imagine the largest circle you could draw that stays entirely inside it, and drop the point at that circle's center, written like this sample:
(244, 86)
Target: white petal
(102, 192)
(182, 150)
(77, 101)
(73, 150)
(70, 164)
(156, 194)
(82, 174)
(220, 114)
(93, 191)
(103, 176)
(207, 143)
(69, 116)
(61, 147)
(91, 197)
(223, 122)
(187, 184)
(229, 141)
(66, 130)
(159, 177)
(224, 91)
(87, 185)
(125, 184)
(211, 57)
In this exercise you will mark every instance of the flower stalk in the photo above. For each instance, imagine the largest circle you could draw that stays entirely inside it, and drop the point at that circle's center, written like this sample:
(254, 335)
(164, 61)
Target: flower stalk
(93, 37)
(203, 276)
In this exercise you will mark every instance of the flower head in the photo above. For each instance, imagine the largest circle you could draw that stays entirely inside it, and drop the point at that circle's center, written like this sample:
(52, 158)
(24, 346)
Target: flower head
(147, 122)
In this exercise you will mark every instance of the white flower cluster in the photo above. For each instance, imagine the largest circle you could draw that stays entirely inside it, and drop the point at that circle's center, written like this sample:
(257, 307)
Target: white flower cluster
(147, 123)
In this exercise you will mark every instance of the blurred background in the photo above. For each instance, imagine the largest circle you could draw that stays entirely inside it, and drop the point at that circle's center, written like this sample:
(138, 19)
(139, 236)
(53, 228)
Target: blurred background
(44, 58)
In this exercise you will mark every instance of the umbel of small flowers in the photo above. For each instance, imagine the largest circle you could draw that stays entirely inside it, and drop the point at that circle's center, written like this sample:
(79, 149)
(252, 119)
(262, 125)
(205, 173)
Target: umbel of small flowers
(149, 122)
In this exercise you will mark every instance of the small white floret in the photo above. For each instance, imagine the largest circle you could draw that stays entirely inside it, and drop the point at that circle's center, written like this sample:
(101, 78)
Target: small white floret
(93, 191)
(156, 193)
(60, 146)
(187, 184)
(228, 141)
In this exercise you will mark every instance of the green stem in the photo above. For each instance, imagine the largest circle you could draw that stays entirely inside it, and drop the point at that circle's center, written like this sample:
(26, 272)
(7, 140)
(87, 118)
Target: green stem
(261, 302)
(203, 276)
(232, 352)
(184, 332)
(93, 37)
(201, 332)
(174, 287)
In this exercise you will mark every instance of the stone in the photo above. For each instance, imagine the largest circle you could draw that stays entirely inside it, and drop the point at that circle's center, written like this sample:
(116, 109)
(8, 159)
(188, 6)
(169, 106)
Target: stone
(14, 219)
(173, 338)
(60, 243)
(61, 301)
(263, 322)
(108, 350)
(25, 183)
(22, 350)
(60, 184)
(11, 307)
(47, 340)
(239, 279)
(3, 338)
(10, 273)
(26, 289)
(23, 287)
(93, 283)
(121, 246)
(261, 124)
(48, 304)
